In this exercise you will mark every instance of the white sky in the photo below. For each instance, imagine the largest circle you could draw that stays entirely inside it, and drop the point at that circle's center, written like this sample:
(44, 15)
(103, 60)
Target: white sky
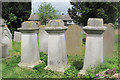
(61, 5)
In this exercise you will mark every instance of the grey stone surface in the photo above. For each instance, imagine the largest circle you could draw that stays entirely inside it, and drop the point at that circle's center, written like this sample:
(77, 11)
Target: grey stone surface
(29, 25)
(29, 45)
(3, 50)
(43, 39)
(95, 22)
(33, 17)
(1, 28)
(0, 50)
(94, 44)
(57, 56)
(5, 34)
(1, 34)
(73, 36)
(56, 23)
(7, 37)
(17, 36)
(108, 41)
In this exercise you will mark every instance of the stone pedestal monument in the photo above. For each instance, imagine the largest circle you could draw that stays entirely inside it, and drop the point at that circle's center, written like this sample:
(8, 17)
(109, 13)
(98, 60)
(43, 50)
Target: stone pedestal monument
(29, 45)
(3, 47)
(57, 56)
(94, 44)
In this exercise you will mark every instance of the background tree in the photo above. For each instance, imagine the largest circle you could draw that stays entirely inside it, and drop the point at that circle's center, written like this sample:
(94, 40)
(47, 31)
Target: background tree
(46, 12)
(15, 13)
(81, 11)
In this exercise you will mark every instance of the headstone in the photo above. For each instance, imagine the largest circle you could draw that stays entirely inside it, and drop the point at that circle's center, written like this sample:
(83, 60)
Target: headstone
(94, 44)
(29, 45)
(3, 50)
(43, 39)
(57, 56)
(73, 36)
(7, 37)
(17, 36)
(108, 41)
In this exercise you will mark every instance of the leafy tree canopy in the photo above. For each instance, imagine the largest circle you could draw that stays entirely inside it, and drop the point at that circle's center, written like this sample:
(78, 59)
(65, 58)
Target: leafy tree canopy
(15, 13)
(46, 12)
(80, 12)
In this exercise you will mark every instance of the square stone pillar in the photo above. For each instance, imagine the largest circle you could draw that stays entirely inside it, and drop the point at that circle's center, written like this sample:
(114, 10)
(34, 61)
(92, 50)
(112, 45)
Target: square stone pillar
(94, 44)
(57, 56)
(29, 45)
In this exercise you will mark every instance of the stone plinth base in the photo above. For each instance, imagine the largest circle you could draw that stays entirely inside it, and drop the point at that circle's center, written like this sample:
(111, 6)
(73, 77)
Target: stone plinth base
(81, 73)
(29, 66)
(56, 69)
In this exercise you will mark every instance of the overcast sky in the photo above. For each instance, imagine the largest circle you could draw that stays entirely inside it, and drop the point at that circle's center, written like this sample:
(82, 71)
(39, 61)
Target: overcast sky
(61, 5)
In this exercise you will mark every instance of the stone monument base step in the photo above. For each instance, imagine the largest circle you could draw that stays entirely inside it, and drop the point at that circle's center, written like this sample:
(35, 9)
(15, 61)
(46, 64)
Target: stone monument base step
(56, 69)
(29, 66)
(82, 73)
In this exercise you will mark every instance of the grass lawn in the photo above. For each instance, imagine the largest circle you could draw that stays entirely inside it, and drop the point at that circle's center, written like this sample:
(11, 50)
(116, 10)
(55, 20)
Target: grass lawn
(10, 68)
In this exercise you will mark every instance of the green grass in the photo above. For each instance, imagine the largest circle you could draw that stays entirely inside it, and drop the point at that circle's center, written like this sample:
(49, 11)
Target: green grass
(16, 50)
(10, 68)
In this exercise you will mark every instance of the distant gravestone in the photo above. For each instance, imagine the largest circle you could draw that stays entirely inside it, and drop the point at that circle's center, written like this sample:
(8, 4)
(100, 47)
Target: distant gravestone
(17, 36)
(73, 36)
(43, 39)
(108, 41)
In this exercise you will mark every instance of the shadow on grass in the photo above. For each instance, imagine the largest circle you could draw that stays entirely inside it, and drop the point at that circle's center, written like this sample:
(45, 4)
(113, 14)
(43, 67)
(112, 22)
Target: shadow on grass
(78, 64)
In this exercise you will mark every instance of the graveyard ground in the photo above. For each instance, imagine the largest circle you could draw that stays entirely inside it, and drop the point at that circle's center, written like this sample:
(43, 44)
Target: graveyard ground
(11, 70)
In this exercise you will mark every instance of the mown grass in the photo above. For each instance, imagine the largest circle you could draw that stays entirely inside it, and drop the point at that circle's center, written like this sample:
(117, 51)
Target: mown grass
(10, 68)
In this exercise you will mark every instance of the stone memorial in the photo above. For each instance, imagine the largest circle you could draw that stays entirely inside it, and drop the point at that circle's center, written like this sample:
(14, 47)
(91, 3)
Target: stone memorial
(43, 39)
(29, 45)
(57, 56)
(108, 41)
(73, 36)
(5, 34)
(3, 47)
(2, 24)
(7, 37)
(94, 44)
(3, 50)
(17, 36)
